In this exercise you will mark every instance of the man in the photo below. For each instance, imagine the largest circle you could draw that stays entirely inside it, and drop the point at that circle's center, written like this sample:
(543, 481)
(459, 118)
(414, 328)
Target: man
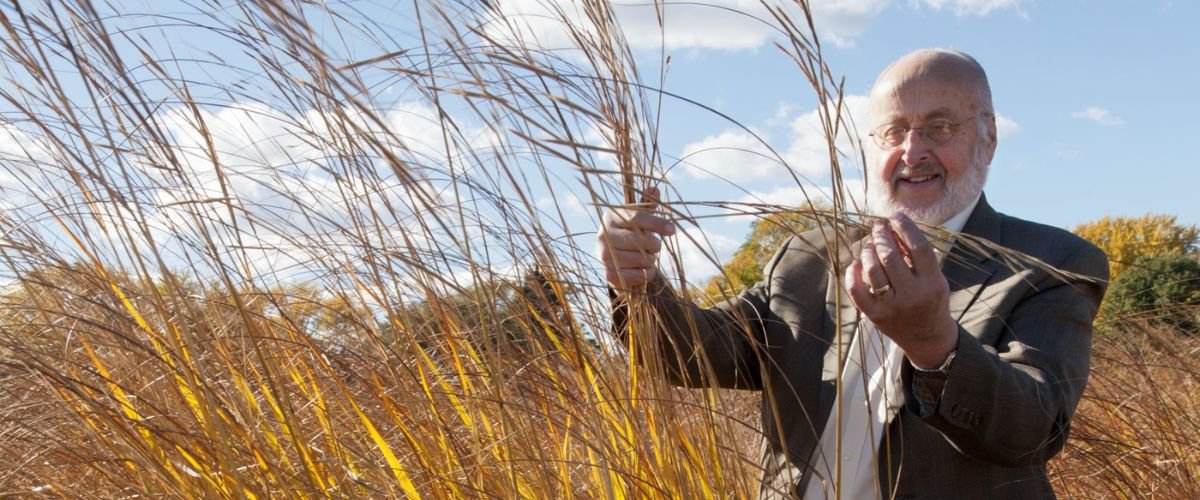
(949, 376)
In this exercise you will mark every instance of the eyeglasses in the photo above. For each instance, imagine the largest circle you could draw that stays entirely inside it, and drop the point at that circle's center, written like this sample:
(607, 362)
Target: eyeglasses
(937, 131)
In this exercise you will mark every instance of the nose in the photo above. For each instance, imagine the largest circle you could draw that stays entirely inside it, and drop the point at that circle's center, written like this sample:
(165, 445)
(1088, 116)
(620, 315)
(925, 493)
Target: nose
(915, 147)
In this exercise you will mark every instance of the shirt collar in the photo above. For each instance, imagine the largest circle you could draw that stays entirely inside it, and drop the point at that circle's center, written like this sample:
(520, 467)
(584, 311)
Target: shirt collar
(956, 223)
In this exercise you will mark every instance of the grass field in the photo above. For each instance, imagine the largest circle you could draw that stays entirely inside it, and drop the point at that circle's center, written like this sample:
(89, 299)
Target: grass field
(355, 298)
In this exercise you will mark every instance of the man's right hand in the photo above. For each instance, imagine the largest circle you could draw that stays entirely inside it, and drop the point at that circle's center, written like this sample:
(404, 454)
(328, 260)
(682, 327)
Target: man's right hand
(630, 238)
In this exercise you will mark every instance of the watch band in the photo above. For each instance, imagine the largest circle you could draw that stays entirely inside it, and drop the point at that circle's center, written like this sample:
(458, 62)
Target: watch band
(941, 371)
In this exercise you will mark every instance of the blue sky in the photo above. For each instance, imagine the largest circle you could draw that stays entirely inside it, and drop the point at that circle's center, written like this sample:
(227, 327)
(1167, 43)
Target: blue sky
(1137, 67)
(1096, 103)
(1097, 98)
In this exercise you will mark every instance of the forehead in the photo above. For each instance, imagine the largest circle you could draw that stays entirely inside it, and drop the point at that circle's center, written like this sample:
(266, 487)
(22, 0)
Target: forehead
(914, 98)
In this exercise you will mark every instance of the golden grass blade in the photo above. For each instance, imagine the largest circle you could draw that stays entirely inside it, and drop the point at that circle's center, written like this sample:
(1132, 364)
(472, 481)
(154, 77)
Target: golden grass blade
(397, 468)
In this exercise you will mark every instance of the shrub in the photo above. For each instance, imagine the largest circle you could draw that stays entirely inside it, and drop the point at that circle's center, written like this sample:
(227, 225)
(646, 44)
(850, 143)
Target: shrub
(1159, 289)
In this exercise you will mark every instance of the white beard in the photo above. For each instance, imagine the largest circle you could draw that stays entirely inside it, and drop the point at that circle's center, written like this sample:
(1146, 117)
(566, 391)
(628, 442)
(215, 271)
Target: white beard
(958, 195)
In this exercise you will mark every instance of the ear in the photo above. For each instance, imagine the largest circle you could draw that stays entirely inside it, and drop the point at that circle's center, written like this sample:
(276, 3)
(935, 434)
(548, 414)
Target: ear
(986, 142)
(990, 134)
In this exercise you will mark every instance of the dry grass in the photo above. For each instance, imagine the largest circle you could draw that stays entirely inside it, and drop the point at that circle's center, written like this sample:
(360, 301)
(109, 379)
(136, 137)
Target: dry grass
(1137, 431)
(335, 303)
(247, 273)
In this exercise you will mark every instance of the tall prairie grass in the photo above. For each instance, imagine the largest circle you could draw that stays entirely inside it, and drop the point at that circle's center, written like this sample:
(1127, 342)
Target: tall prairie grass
(1137, 431)
(305, 258)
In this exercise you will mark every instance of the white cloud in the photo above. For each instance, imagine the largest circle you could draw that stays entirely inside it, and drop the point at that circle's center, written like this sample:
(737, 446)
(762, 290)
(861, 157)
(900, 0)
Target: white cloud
(1099, 115)
(601, 135)
(9, 286)
(1005, 126)
(701, 253)
(854, 192)
(808, 152)
(28, 172)
(783, 110)
(711, 26)
(275, 154)
(737, 157)
(733, 155)
(418, 126)
(17, 144)
(297, 192)
(841, 21)
(251, 142)
(569, 204)
(8, 182)
(973, 7)
(714, 24)
(795, 196)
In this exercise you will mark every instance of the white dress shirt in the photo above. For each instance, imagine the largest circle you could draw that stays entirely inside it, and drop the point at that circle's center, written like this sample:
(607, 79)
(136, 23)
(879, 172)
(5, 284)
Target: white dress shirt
(869, 397)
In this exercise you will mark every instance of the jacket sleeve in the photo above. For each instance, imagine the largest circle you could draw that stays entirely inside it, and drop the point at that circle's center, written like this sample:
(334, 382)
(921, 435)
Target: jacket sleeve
(699, 347)
(1010, 402)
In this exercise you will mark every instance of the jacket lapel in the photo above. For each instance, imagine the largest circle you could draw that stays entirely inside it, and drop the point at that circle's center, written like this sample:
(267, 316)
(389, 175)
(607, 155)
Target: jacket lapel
(969, 265)
(839, 307)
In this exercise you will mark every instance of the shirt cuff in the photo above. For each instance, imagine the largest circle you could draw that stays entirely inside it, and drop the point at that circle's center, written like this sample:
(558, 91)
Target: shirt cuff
(927, 401)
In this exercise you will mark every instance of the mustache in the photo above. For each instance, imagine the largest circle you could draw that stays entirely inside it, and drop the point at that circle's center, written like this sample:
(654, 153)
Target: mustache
(924, 168)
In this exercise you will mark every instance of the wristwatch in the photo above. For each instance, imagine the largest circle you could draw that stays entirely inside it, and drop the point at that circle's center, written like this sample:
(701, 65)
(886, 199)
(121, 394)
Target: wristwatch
(941, 372)
(927, 401)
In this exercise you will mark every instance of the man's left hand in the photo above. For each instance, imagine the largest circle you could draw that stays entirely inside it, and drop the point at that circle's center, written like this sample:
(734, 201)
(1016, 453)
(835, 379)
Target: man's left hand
(898, 283)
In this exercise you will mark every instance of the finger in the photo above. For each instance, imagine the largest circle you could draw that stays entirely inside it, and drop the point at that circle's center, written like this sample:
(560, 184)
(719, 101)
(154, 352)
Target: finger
(626, 239)
(651, 202)
(647, 221)
(625, 259)
(890, 255)
(629, 269)
(873, 273)
(638, 219)
(628, 279)
(650, 197)
(859, 290)
(919, 249)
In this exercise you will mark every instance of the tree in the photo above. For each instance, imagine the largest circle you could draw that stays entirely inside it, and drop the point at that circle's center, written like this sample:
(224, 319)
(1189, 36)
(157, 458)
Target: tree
(1163, 289)
(1125, 239)
(529, 314)
(767, 234)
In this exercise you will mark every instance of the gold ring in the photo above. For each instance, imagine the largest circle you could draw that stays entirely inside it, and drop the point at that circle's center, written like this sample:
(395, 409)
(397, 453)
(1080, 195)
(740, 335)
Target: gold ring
(879, 291)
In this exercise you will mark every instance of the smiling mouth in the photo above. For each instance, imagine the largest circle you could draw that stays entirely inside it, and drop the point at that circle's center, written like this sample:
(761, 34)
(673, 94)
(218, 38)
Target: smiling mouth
(919, 178)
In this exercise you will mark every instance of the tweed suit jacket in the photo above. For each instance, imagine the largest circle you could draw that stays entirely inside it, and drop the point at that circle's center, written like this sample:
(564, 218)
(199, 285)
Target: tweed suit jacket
(1023, 352)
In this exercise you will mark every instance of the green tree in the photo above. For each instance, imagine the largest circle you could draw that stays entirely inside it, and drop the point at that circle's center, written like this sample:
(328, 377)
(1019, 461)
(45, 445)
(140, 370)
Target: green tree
(1163, 289)
(1126, 239)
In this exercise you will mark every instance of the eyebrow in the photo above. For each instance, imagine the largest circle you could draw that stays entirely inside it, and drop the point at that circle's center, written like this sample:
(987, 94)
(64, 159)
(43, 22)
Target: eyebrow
(942, 112)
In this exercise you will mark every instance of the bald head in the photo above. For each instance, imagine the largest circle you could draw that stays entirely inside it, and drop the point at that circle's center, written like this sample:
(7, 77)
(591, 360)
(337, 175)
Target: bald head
(944, 66)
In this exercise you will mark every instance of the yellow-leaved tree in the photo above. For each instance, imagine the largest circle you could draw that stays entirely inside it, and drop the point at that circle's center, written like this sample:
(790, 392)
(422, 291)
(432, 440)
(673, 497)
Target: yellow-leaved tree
(1125, 239)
